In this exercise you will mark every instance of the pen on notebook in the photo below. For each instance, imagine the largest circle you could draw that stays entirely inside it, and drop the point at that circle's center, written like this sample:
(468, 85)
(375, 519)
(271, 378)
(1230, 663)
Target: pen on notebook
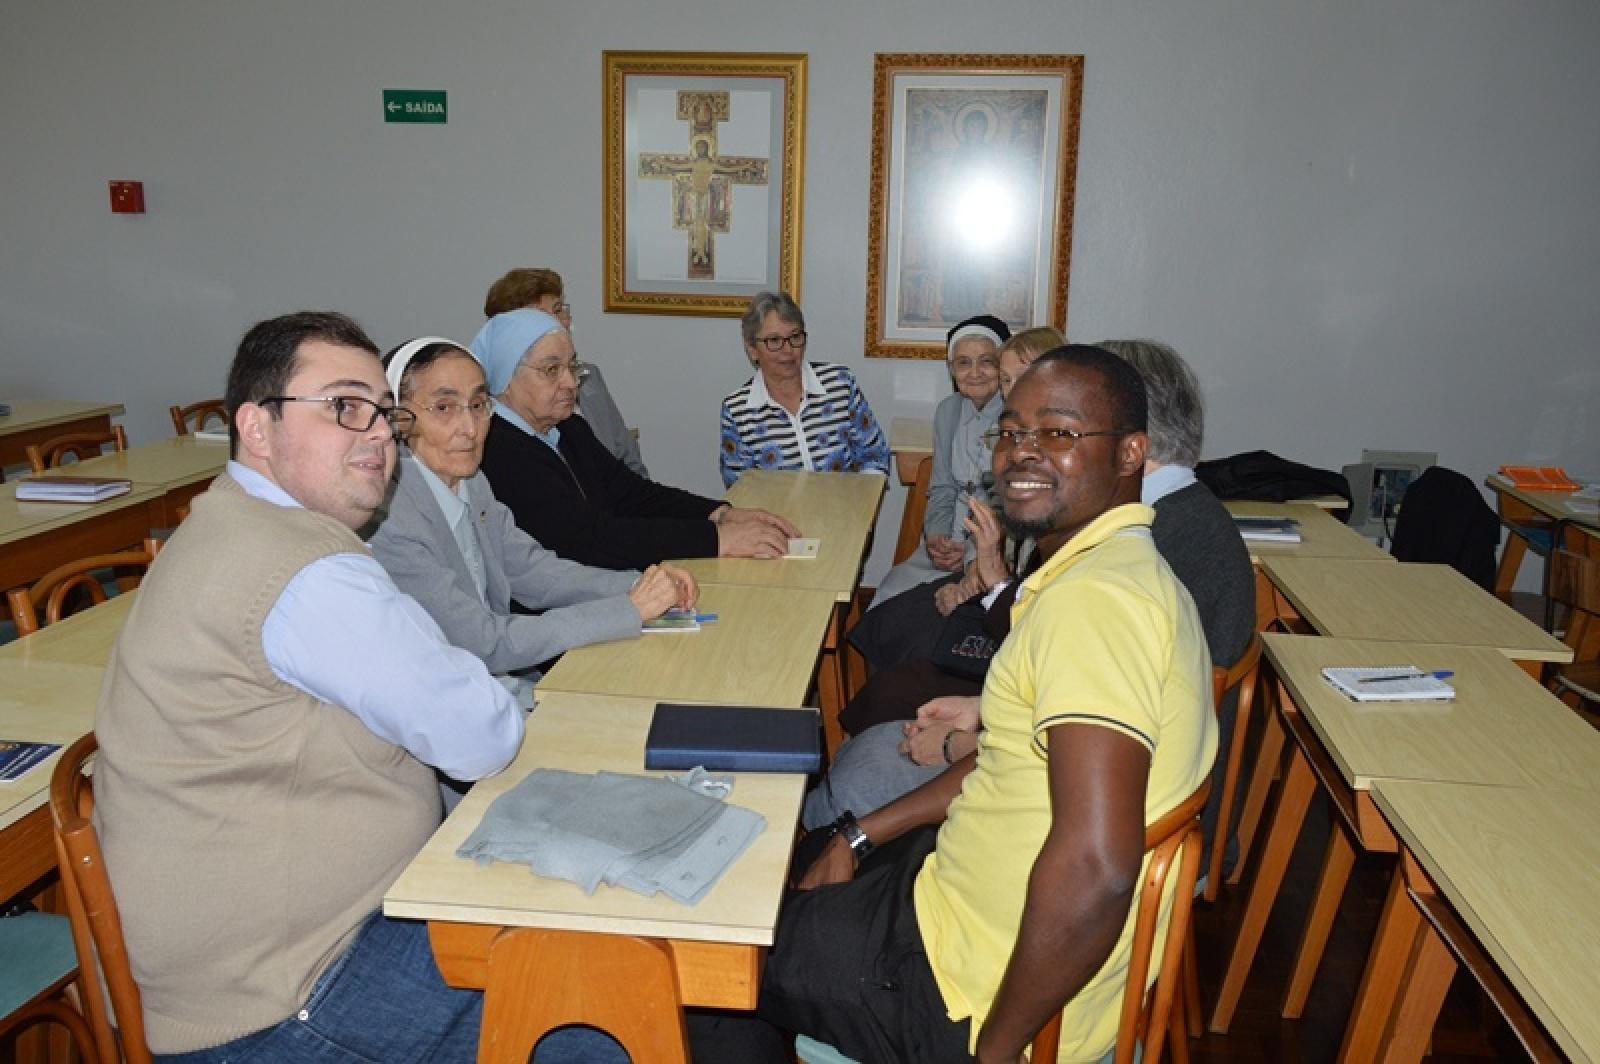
(1442, 674)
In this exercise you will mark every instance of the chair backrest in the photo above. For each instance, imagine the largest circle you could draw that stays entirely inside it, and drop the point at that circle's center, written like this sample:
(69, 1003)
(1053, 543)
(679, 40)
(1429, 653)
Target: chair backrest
(1241, 676)
(193, 418)
(916, 506)
(53, 587)
(92, 908)
(1173, 843)
(48, 455)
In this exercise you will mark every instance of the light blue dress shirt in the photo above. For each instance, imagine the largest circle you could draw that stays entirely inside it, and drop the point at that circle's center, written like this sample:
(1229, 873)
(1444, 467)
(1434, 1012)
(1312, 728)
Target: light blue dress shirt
(342, 632)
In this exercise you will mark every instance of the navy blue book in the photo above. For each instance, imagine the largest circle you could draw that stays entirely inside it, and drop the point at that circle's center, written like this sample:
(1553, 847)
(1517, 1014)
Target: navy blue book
(734, 739)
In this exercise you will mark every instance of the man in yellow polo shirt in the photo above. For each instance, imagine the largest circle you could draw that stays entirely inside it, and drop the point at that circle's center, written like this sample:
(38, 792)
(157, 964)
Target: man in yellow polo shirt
(1097, 722)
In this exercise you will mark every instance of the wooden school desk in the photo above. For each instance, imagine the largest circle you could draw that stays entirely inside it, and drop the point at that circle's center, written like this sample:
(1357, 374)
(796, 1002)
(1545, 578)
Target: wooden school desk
(1321, 536)
(716, 947)
(49, 686)
(1525, 506)
(840, 509)
(181, 467)
(1504, 876)
(1409, 602)
(1502, 729)
(32, 421)
(761, 650)
(35, 537)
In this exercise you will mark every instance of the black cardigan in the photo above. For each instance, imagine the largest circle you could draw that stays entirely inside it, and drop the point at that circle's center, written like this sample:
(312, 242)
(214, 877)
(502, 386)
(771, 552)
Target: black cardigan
(591, 508)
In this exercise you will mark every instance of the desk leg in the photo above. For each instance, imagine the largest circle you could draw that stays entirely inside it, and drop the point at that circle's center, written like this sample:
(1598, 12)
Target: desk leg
(1386, 966)
(1336, 864)
(1299, 785)
(1422, 992)
(1265, 770)
(541, 979)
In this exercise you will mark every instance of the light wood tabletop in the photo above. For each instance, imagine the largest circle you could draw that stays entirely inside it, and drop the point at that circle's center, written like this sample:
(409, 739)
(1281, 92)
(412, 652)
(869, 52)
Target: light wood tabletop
(1502, 727)
(1407, 602)
(761, 650)
(49, 687)
(33, 421)
(1321, 534)
(1516, 865)
(171, 463)
(839, 509)
(910, 440)
(35, 537)
(588, 733)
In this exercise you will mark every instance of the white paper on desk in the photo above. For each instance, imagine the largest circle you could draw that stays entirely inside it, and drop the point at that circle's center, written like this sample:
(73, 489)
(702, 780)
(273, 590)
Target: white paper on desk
(803, 547)
(1418, 686)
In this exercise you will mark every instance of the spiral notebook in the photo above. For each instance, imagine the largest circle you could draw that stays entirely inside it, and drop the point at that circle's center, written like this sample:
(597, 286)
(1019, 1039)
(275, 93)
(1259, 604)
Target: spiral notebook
(1388, 683)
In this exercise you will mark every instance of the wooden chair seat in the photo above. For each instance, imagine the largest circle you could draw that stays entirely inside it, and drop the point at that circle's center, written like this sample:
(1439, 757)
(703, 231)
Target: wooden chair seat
(190, 419)
(52, 589)
(37, 964)
(81, 445)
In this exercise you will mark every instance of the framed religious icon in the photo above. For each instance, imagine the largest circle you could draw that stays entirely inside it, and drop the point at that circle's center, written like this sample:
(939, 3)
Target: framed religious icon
(704, 156)
(974, 160)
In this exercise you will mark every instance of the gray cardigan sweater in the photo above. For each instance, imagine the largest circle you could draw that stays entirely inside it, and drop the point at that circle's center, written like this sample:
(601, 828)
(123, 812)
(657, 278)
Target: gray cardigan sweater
(582, 604)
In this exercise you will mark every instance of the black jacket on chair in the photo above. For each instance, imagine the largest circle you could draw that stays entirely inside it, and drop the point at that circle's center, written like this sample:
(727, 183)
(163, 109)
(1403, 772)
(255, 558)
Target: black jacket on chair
(1444, 519)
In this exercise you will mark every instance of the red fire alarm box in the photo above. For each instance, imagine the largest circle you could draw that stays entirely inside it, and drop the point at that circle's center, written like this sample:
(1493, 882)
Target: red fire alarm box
(127, 197)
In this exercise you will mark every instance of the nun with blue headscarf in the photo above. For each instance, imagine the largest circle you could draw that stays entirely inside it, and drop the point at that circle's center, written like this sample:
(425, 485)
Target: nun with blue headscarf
(568, 491)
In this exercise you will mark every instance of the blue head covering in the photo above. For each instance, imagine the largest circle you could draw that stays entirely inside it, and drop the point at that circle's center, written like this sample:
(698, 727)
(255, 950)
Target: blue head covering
(505, 338)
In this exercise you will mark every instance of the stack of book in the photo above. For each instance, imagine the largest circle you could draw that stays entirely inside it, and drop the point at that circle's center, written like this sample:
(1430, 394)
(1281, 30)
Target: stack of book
(1268, 529)
(61, 488)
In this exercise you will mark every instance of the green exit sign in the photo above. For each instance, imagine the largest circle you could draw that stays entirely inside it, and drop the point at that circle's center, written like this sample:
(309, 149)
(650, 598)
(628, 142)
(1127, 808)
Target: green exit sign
(414, 105)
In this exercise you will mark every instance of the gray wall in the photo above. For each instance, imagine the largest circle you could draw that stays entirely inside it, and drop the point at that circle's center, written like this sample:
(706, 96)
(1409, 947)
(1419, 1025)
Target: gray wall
(1365, 223)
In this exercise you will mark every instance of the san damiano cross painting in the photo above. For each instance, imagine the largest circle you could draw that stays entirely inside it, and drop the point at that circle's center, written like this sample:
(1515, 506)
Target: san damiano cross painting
(702, 180)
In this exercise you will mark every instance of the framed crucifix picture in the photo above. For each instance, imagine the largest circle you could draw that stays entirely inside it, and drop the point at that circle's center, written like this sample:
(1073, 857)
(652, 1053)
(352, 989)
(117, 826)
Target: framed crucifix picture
(974, 159)
(704, 156)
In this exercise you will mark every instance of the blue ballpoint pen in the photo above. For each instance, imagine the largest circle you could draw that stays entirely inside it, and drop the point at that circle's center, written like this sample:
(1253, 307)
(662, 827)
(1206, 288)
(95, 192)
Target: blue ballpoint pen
(1442, 674)
(705, 617)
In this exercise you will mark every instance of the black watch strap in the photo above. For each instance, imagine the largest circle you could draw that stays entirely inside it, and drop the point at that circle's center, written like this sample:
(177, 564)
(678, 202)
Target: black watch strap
(857, 839)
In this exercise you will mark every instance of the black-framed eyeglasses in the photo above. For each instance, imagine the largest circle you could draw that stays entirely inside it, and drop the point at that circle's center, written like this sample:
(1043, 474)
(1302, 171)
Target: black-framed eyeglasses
(353, 412)
(797, 341)
(554, 370)
(1057, 440)
(450, 409)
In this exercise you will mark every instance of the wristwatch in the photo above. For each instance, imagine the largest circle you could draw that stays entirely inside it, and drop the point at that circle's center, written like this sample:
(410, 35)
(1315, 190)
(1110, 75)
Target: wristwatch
(857, 839)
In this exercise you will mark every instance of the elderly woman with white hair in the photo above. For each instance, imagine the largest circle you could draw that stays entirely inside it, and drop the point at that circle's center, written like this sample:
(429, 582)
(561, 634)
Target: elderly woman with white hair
(449, 544)
(960, 457)
(567, 490)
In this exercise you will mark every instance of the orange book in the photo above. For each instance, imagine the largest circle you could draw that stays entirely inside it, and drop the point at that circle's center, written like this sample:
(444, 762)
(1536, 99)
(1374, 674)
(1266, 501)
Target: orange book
(1539, 478)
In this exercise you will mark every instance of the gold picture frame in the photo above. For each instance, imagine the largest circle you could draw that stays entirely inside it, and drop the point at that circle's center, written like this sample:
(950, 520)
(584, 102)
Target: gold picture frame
(703, 167)
(974, 171)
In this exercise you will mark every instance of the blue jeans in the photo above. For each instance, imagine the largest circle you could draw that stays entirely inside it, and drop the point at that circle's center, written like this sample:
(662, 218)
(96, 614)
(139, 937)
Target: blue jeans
(384, 1001)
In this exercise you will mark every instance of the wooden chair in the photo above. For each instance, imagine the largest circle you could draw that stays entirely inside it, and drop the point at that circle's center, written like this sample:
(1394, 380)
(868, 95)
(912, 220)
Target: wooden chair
(53, 587)
(916, 507)
(1173, 843)
(1574, 582)
(48, 455)
(1241, 677)
(37, 967)
(192, 418)
(92, 909)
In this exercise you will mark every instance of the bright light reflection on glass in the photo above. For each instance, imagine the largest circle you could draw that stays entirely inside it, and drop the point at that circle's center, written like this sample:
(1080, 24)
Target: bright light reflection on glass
(984, 213)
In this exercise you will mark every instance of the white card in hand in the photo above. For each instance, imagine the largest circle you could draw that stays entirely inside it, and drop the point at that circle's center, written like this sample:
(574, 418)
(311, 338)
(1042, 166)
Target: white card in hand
(803, 548)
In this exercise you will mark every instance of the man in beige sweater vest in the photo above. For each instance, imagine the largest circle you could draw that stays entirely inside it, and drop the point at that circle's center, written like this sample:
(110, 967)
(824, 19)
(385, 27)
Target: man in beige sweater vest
(273, 718)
